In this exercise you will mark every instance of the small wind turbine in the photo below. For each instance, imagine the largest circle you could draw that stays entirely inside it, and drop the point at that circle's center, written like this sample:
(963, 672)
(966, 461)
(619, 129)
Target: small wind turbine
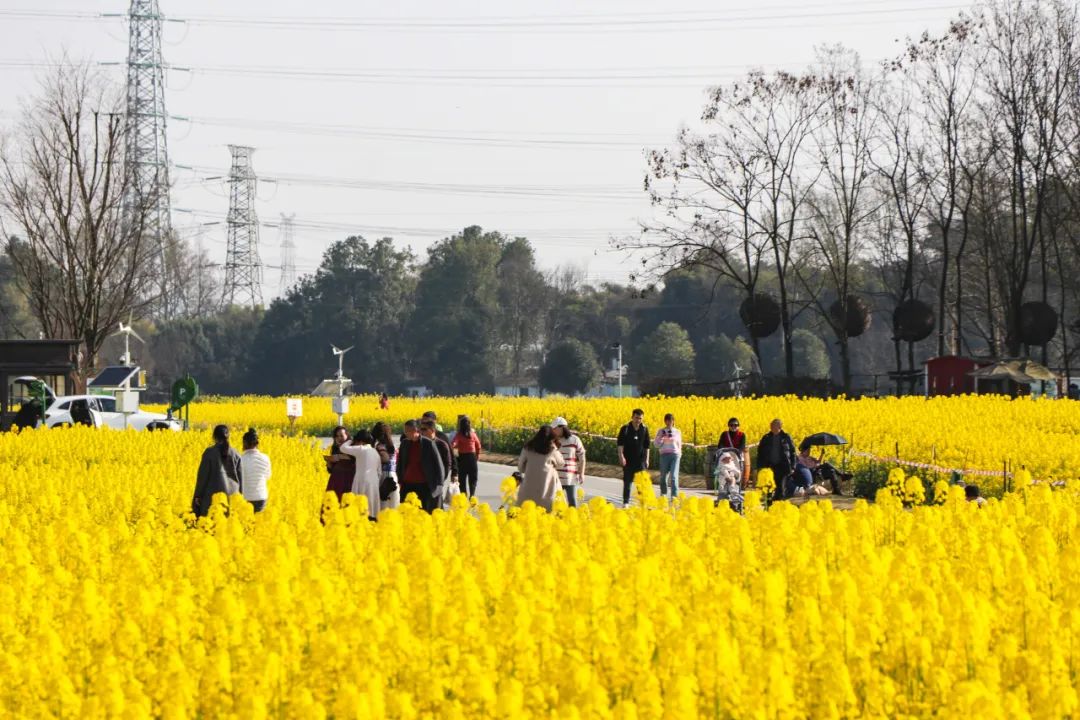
(128, 333)
(340, 359)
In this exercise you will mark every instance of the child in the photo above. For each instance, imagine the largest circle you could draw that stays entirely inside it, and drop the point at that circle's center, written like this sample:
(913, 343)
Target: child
(728, 481)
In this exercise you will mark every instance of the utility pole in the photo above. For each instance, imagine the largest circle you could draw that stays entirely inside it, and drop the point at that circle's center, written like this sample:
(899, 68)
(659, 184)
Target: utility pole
(618, 346)
(243, 269)
(146, 155)
(288, 254)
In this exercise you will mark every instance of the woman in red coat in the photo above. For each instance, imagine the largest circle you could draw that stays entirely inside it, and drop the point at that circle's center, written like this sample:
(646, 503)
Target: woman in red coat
(342, 467)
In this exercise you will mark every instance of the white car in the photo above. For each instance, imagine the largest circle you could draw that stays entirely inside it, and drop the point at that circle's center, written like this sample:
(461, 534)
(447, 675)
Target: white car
(102, 410)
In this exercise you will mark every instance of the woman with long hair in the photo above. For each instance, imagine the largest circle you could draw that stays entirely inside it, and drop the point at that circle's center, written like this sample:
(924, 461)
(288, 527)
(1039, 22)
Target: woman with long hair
(467, 446)
(384, 444)
(368, 475)
(539, 465)
(342, 467)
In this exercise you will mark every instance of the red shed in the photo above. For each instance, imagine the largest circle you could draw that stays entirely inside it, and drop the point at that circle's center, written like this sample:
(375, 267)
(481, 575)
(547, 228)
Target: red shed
(948, 375)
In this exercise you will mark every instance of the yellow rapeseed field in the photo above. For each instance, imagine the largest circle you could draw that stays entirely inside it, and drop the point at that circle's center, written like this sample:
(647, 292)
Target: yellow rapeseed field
(116, 604)
(969, 432)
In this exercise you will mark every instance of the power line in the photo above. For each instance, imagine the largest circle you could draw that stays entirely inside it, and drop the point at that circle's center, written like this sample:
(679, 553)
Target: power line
(674, 21)
(599, 192)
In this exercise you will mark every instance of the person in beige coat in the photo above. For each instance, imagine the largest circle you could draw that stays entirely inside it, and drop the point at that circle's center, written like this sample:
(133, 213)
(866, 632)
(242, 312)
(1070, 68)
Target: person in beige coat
(539, 463)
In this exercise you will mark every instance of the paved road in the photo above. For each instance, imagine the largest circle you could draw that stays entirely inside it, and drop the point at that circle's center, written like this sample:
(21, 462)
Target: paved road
(492, 474)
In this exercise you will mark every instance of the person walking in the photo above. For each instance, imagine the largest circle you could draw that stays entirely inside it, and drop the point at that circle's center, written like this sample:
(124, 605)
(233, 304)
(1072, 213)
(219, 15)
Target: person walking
(572, 473)
(735, 439)
(466, 445)
(430, 415)
(633, 445)
(368, 474)
(420, 467)
(342, 467)
(669, 442)
(539, 464)
(219, 472)
(776, 451)
(389, 488)
(255, 468)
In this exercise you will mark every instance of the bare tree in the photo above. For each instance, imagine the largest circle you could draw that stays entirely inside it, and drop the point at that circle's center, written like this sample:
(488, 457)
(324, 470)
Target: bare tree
(730, 196)
(844, 200)
(900, 161)
(80, 260)
(1031, 65)
(705, 190)
(944, 69)
(777, 118)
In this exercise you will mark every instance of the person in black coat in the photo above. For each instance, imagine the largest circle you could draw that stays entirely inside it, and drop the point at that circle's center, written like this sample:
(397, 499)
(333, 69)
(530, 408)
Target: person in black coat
(420, 468)
(219, 472)
(776, 451)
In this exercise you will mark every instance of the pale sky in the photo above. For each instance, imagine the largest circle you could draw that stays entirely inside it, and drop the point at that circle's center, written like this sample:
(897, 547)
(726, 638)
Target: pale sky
(419, 118)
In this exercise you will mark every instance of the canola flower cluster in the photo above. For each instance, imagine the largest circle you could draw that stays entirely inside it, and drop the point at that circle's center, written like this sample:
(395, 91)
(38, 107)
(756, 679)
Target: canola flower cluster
(118, 604)
(965, 432)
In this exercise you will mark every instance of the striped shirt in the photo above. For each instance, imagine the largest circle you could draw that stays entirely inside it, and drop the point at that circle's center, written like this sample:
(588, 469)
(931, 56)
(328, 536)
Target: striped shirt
(255, 471)
(573, 453)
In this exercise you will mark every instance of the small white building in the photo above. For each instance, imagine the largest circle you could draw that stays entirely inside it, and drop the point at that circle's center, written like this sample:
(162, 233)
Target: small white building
(418, 391)
(529, 390)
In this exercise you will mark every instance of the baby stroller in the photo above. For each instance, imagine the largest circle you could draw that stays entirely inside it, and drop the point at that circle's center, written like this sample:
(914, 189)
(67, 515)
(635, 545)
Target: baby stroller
(729, 475)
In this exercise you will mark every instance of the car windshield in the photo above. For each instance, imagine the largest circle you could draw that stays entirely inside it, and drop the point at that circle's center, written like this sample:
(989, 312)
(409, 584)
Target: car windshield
(107, 404)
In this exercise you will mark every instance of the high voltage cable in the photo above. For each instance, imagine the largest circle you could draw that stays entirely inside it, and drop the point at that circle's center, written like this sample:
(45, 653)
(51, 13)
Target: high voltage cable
(555, 191)
(424, 135)
(670, 21)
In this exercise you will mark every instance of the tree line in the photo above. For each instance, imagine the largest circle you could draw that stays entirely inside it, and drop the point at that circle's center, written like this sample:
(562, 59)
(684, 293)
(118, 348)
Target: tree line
(834, 224)
(939, 187)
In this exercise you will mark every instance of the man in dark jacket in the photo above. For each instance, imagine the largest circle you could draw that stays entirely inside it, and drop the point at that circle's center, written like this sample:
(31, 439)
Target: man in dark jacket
(420, 467)
(219, 472)
(776, 451)
(430, 415)
(633, 445)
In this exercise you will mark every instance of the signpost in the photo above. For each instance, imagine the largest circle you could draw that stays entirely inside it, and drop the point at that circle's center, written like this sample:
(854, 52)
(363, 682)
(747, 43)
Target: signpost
(294, 408)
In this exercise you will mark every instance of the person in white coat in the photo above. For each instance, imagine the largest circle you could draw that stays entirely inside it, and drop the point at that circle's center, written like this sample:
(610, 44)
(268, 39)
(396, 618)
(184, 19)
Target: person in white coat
(368, 469)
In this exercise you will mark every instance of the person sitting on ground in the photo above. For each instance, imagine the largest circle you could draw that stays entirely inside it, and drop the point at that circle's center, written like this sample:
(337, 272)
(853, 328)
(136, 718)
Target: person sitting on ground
(805, 464)
(971, 493)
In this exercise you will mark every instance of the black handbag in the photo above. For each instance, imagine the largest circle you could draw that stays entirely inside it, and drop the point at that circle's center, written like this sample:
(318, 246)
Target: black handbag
(387, 487)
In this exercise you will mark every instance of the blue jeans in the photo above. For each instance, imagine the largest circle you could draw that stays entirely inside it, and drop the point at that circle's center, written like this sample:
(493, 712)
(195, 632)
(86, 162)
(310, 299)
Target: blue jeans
(571, 494)
(669, 466)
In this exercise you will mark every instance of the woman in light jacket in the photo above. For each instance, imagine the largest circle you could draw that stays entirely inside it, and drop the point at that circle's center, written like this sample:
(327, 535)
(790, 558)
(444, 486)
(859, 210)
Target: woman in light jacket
(539, 464)
(368, 470)
(572, 475)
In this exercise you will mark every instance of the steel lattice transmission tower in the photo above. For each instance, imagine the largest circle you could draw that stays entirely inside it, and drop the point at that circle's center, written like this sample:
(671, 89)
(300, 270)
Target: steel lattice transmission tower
(288, 253)
(146, 155)
(243, 269)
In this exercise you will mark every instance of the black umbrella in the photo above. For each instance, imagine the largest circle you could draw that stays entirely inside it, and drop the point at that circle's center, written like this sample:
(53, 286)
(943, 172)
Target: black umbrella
(822, 439)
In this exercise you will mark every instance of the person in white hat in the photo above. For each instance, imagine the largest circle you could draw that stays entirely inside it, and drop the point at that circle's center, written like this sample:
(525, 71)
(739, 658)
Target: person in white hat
(572, 473)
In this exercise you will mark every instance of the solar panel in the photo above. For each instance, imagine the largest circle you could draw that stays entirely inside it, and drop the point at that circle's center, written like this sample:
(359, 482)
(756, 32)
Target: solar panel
(113, 376)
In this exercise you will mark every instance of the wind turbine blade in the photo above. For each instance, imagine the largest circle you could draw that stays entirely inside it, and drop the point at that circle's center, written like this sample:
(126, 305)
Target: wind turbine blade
(136, 335)
(347, 349)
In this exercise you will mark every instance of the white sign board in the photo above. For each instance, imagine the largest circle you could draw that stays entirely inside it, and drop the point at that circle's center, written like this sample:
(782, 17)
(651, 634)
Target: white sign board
(294, 407)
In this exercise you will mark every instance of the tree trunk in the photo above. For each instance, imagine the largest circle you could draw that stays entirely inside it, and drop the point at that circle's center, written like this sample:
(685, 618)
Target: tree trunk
(845, 363)
(899, 365)
(943, 289)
